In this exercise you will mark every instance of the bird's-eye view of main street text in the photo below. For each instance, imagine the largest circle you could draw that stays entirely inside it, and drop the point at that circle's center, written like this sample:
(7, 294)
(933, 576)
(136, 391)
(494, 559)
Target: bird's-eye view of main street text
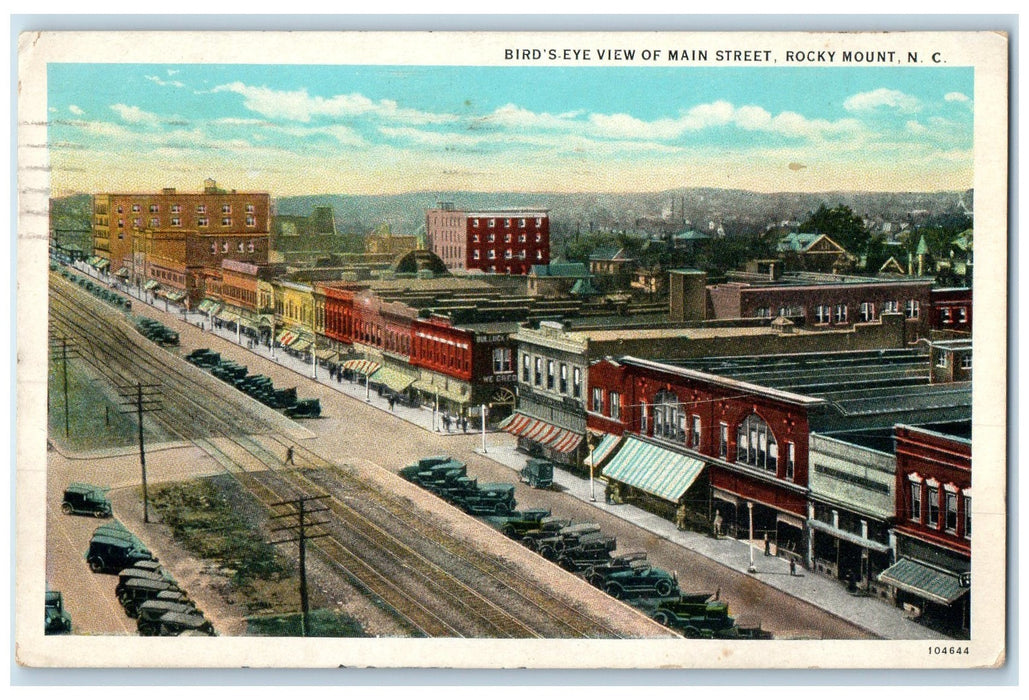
(389, 349)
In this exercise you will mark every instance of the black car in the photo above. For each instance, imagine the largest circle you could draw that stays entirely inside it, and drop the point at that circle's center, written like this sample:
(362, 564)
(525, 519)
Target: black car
(86, 498)
(109, 554)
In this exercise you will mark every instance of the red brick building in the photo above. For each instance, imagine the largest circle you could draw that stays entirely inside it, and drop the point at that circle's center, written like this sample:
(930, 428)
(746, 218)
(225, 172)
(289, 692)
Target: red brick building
(934, 524)
(506, 241)
(951, 309)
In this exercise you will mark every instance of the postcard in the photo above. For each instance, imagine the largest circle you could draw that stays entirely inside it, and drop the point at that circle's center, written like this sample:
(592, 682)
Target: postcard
(512, 350)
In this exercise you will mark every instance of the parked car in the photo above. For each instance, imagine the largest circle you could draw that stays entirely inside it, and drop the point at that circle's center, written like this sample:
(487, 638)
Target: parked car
(643, 581)
(551, 547)
(173, 624)
(139, 590)
(126, 575)
(599, 572)
(58, 621)
(517, 523)
(305, 408)
(491, 498)
(548, 527)
(109, 554)
(589, 551)
(149, 613)
(86, 498)
(695, 615)
(538, 473)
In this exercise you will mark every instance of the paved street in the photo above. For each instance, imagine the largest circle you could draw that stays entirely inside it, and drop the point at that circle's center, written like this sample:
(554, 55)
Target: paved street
(360, 432)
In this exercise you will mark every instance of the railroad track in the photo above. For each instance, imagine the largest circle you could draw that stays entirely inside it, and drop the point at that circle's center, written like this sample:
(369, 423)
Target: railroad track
(400, 570)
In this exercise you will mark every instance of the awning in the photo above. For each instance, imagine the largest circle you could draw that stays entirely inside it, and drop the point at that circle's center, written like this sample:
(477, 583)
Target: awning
(361, 366)
(546, 434)
(653, 469)
(287, 337)
(325, 355)
(103, 264)
(151, 284)
(458, 392)
(173, 295)
(207, 305)
(122, 272)
(226, 316)
(933, 584)
(300, 345)
(848, 536)
(603, 450)
(394, 379)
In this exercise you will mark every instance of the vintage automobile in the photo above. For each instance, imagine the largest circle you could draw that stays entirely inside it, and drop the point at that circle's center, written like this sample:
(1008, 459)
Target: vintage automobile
(517, 523)
(139, 590)
(548, 527)
(126, 575)
(423, 464)
(490, 498)
(538, 473)
(641, 581)
(445, 479)
(109, 554)
(695, 615)
(305, 408)
(591, 550)
(173, 624)
(86, 498)
(58, 621)
(598, 573)
(204, 358)
(149, 613)
(550, 547)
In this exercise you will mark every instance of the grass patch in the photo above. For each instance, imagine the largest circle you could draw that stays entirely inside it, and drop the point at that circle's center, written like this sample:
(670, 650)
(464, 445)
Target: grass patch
(323, 623)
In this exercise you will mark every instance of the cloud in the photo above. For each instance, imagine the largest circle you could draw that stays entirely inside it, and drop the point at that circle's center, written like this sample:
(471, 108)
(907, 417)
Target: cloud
(956, 97)
(915, 127)
(298, 105)
(135, 115)
(883, 97)
(165, 83)
(76, 110)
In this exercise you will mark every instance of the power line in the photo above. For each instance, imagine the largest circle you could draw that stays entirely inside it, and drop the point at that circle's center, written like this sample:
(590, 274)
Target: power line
(146, 399)
(300, 529)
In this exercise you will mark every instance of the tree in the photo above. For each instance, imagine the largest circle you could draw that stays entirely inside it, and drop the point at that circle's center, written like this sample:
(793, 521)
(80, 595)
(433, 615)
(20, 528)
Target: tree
(840, 224)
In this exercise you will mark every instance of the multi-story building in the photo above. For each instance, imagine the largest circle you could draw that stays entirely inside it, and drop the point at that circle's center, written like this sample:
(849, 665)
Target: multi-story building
(951, 309)
(508, 241)
(168, 238)
(934, 522)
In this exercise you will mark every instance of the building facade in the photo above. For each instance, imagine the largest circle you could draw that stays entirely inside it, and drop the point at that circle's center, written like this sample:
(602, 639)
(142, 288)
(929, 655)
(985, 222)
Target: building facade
(508, 241)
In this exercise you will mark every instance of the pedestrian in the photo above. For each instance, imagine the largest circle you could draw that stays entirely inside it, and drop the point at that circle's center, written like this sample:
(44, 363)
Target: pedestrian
(289, 455)
(446, 422)
(793, 566)
(464, 424)
(718, 524)
(392, 402)
(607, 493)
(680, 517)
(768, 546)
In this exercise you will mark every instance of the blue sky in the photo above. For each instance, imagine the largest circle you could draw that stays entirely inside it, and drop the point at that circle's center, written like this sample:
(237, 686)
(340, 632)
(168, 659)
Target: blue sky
(385, 129)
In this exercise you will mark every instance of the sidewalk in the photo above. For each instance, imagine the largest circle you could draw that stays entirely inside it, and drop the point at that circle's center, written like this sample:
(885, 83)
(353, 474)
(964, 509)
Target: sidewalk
(878, 617)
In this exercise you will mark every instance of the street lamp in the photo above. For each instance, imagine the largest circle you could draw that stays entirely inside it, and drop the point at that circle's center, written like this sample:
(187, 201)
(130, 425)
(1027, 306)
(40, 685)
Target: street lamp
(750, 511)
(482, 412)
(593, 493)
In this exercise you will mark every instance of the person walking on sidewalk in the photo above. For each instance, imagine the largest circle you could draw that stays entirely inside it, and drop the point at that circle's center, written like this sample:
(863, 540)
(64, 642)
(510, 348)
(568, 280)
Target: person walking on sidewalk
(680, 517)
(768, 546)
(289, 455)
(793, 566)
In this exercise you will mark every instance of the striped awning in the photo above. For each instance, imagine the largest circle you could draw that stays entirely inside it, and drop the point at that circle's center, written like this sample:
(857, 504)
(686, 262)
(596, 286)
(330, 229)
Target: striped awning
(122, 272)
(287, 338)
(227, 316)
(653, 469)
(546, 434)
(933, 584)
(326, 355)
(362, 366)
(103, 264)
(151, 284)
(394, 379)
(301, 345)
(603, 450)
(207, 305)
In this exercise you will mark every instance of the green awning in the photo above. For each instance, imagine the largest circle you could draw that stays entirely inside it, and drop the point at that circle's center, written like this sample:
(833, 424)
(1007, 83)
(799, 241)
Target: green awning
(929, 582)
(394, 379)
(653, 469)
(103, 264)
(151, 284)
(603, 450)
(207, 305)
(458, 392)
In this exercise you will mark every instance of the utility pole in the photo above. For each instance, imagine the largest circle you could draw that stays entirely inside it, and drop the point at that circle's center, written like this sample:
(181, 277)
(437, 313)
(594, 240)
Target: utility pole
(140, 399)
(300, 512)
(63, 346)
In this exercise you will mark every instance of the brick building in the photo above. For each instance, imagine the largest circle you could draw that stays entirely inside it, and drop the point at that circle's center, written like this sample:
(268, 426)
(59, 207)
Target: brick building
(951, 309)
(506, 241)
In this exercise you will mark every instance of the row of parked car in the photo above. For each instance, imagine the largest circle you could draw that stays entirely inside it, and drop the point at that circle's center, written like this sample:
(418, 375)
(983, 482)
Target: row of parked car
(156, 331)
(97, 289)
(583, 549)
(257, 386)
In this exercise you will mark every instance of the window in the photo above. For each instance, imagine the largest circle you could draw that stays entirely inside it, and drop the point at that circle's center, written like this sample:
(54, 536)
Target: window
(968, 517)
(962, 314)
(121, 209)
(137, 222)
(764, 312)
(501, 360)
(475, 255)
(695, 433)
(563, 379)
(538, 379)
(539, 222)
(841, 313)
(755, 444)
(475, 223)
(201, 209)
(933, 496)
(823, 313)
(866, 312)
(723, 440)
(945, 315)
(239, 247)
(550, 374)
(202, 221)
(135, 208)
(508, 254)
(598, 400)
(491, 254)
(941, 360)
(791, 459)
(507, 238)
(249, 208)
(226, 221)
(250, 246)
(154, 208)
(916, 501)
(539, 237)
(576, 382)
(225, 246)
(666, 416)
(492, 223)
(121, 223)
(154, 223)
(615, 399)
(214, 247)
(521, 238)
(966, 361)
(911, 309)
(226, 209)
(539, 254)
(176, 221)
(521, 223)
(526, 363)
(176, 208)
(891, 307)
(951, 522)
(251, 221)
(491, 238)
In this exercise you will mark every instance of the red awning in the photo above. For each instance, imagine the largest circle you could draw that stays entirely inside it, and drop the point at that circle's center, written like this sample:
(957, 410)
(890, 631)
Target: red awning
(546, 434)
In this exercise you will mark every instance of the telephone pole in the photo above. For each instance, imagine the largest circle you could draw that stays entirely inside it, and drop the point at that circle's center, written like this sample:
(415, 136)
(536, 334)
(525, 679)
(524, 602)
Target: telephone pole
(140, 399)
(61, 350)
(300, 511)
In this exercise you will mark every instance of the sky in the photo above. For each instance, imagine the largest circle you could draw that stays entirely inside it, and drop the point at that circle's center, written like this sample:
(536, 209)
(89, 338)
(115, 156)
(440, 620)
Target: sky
(364, 130)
